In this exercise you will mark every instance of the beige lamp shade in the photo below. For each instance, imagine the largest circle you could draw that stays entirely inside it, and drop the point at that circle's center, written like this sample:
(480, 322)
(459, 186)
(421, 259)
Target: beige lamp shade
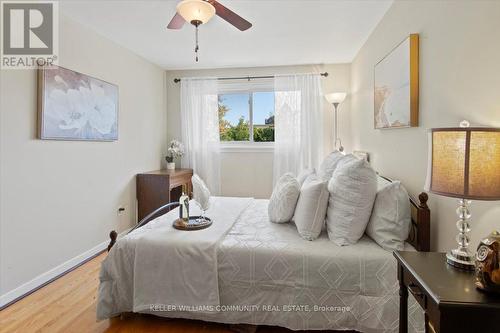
(464, 163)
(196, 10)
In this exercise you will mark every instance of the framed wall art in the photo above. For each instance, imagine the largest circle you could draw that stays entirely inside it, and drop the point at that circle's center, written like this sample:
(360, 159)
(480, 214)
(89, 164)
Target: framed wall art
(75, 106)
(396, 86)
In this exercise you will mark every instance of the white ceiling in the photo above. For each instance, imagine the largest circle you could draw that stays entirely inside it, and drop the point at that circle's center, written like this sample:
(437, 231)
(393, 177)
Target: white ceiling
(284, 32)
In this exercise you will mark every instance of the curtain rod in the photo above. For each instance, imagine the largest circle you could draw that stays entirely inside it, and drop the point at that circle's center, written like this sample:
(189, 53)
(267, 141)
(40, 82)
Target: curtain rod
(177, 80)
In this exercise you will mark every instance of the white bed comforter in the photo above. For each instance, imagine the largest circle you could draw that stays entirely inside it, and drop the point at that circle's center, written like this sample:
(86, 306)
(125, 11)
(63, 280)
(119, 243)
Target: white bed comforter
(266, 274)
(157, 265)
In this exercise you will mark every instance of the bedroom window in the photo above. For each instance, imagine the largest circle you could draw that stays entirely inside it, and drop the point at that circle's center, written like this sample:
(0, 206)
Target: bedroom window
(246, 116)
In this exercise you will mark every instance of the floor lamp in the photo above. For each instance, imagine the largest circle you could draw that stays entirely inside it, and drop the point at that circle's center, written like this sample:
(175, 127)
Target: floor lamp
(336, 99)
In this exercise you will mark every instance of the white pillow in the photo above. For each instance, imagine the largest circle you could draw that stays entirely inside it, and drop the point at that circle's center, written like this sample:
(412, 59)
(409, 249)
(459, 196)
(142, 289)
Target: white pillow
(304, 174)
(390, 221)
(284, 199)
(201, 193)
(329, 164)
(311, 207)
(381, 183)
(352, 188)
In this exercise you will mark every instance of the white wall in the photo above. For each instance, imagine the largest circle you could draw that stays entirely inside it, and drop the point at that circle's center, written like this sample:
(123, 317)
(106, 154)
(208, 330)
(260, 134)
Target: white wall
(459, 79)
(60, 198)
(250, 173)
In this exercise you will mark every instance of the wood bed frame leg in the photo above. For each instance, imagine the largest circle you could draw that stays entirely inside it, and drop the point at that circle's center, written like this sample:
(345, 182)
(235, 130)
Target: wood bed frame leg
(126, 315)
(112, 235)
(243, 328)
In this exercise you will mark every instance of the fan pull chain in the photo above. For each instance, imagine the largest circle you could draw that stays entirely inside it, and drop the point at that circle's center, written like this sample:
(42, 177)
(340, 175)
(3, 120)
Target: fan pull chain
(197, 47)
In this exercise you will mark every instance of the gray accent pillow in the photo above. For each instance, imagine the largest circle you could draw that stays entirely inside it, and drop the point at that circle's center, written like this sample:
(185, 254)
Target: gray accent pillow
(284, 199)
(310, 211)
(352, 188)
(390, 220)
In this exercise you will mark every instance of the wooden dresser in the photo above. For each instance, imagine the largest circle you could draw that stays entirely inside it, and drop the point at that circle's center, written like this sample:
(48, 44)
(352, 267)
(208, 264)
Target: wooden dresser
(157, 188)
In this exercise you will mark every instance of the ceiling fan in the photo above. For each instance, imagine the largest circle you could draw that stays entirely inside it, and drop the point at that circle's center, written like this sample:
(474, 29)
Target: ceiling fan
(198, 12)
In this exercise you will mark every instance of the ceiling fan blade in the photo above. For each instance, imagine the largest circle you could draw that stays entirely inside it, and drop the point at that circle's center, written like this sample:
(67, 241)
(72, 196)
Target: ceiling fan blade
(177, 22)
(230, 16)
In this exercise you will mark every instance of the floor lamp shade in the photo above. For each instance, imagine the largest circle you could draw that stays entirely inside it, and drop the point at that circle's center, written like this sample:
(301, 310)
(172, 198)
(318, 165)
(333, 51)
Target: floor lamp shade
(337, 97)
(464, 163)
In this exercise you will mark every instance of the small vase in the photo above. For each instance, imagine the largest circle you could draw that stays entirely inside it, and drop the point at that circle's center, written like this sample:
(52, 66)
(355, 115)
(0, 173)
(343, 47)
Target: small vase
(171, 165)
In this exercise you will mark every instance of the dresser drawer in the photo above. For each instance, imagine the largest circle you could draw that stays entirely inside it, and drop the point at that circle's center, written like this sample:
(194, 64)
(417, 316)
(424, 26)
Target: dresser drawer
(416, 290)
(179, 180)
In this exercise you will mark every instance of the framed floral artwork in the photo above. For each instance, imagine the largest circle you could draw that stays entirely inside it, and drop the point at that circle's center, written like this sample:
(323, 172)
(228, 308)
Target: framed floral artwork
(396, 86)
(75, 106)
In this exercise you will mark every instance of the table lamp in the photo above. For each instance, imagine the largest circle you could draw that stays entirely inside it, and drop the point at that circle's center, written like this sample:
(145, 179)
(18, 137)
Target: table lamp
(336, 99)
(464, 163)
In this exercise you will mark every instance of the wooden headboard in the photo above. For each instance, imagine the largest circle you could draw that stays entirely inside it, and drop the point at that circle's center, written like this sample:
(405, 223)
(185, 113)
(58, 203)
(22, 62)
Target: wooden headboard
(420, 229)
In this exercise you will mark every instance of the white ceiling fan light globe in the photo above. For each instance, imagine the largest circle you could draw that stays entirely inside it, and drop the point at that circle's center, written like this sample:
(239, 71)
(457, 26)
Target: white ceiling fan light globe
(336, 97)
(195, 10)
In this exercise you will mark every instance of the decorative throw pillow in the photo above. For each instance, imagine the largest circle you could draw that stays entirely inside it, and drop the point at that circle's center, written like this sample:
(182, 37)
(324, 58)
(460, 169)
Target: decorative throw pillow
(330, 163)
(284, 199)
(352, 188)
(390, 220)
(311, 207)
(304, 174)
(201, 193)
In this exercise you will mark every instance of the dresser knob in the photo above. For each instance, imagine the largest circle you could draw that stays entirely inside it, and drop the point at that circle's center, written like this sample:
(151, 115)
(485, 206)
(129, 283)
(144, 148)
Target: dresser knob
(415, 290)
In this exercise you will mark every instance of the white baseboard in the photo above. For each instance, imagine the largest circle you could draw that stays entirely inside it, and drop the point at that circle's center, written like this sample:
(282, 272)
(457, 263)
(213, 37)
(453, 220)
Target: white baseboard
(54, 272)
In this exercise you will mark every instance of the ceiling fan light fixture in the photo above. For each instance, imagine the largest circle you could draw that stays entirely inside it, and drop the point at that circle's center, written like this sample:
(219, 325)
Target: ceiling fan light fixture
(196, 11)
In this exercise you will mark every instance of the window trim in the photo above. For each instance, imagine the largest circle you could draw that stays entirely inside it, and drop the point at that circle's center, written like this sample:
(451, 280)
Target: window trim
(246, 147)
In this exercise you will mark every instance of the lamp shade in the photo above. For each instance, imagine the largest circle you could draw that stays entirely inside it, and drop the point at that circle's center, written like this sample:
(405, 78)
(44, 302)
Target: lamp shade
(464, 162)
(196, 10)
(336, 97)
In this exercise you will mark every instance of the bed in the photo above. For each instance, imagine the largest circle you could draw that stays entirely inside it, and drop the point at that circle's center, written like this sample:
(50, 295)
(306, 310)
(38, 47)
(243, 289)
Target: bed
(256, 272)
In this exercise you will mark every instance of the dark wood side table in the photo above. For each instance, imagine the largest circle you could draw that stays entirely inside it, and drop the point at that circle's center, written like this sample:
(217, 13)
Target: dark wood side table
(448, 296)
(157, 188)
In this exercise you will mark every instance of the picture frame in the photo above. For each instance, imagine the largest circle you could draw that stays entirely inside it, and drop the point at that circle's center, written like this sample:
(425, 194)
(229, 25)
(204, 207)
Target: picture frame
(76, 107)
(396, 86)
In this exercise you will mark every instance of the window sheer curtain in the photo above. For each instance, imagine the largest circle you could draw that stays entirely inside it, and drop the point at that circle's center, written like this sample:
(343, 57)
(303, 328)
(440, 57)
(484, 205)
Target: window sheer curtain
(200, 129)
(298, 123)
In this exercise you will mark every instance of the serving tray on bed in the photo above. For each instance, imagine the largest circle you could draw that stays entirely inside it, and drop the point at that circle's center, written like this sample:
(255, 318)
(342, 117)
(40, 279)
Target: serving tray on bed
(193, 224)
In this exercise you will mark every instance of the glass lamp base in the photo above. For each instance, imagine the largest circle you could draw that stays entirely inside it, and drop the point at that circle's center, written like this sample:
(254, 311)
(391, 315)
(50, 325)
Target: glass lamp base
(460, 259)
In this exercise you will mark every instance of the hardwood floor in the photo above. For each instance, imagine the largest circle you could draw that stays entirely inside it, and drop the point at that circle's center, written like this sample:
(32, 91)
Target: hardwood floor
(69, 305)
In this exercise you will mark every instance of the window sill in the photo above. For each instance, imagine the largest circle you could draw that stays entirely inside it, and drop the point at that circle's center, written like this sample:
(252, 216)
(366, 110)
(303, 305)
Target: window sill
(247, 147)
